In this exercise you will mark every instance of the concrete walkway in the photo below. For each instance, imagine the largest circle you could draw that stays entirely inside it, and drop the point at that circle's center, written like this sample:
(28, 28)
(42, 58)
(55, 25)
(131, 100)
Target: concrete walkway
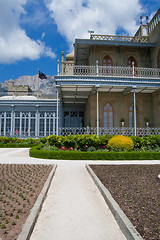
(73, 209)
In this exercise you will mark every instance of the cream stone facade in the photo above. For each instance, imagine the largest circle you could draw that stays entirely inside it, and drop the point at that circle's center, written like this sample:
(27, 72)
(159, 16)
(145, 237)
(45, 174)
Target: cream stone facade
(113, 78)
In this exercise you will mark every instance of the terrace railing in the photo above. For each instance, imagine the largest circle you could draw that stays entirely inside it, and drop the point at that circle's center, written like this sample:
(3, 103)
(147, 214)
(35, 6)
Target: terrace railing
(111, 71)
(154, 22)
(126, 131)
(142, 39)
(65, 131)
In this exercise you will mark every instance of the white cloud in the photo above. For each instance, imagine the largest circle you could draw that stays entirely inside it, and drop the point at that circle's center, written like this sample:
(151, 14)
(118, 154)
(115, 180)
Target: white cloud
(15, 45)
(75, 18)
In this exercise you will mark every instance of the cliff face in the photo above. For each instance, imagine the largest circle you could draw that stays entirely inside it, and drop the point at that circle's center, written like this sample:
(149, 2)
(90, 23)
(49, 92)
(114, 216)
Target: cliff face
(46, 86)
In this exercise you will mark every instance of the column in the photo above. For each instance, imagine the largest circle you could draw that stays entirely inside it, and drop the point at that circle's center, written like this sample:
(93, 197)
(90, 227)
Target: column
(135, 118)
(12, 120)
(20, 127)
(54, 123)
(97, 71)
(4, 132)
(29, 124)
(58, 67)
(97, 86)
(37, 122)
(57, 126)
(49, 123)
(45, 123)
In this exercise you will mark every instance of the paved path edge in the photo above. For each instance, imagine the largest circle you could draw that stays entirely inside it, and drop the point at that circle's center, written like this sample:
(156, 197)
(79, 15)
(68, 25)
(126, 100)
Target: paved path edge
(32, 218)
(124, 223)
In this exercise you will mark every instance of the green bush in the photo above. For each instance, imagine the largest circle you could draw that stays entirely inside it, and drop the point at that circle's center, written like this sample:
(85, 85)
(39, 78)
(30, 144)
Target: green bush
(78, 155)
(17, 142)
(137, 142)
(69, 142)
(54, 140)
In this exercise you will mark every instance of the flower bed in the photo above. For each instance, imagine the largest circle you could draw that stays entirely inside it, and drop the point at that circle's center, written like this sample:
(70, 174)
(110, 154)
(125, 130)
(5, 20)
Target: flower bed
(20, 186)
(136, 189)
(38, 152)
(88, 142)
(10, 142)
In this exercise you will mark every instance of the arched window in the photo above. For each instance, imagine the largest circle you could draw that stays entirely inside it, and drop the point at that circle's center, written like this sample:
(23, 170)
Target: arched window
(108, 115)
(107, 64)
(130, 60)
(131, 115)
(158, 59)
(107, 61)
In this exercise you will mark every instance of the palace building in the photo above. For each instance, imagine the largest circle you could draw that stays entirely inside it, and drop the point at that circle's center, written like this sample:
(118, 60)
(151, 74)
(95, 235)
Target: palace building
(108, 84)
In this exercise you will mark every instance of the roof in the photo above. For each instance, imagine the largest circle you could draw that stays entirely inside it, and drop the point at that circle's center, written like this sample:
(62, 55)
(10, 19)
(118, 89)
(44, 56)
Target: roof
(18, 98)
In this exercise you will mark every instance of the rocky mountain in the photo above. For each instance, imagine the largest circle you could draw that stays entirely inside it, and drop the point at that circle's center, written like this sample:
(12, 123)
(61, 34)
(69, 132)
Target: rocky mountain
(46, 86)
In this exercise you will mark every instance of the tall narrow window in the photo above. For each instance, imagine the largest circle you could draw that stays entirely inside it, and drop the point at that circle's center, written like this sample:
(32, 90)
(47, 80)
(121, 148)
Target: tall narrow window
(108, 115)
(130, 60)
(131, 115)
(107, 61)
(158, 60)
(107, 64)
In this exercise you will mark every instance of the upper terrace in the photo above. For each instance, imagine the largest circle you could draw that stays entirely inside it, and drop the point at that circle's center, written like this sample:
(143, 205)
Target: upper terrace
(141, 35)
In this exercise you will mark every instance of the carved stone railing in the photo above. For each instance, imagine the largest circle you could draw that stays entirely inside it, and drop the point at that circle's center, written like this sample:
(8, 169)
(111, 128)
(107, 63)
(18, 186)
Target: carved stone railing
(126, 131)
(142, 31)
(150, 73)
(154, 22)
(142, 39)
(65, 131)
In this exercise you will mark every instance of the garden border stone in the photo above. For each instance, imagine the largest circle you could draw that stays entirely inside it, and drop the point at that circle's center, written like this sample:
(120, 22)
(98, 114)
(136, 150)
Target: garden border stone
(32, 218)
(124, 223)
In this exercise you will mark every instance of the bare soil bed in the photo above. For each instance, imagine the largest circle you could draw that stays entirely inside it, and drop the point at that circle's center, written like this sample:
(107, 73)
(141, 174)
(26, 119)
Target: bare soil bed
(136, 189)
(20, 186)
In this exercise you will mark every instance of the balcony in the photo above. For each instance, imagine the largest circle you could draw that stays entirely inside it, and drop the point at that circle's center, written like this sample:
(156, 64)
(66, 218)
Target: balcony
(141, 39)
(110, 71)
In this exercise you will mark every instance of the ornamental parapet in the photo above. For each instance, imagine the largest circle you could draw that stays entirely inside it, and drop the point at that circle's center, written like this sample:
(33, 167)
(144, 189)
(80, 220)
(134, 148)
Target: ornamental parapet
(142, 39)
(126, 131)
(111, 71)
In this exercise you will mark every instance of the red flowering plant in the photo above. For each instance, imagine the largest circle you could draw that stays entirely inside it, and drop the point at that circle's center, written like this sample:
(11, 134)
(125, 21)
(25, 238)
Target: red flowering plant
(63, 148)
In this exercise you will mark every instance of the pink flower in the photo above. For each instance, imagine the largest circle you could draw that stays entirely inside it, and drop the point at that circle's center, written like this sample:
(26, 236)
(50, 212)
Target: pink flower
(86, 146)
(70, 148)
(147, 142)
(111, 146)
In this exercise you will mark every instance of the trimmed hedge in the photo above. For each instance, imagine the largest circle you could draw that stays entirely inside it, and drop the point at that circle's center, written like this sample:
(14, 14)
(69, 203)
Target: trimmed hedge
(77, 155)
(16, 145)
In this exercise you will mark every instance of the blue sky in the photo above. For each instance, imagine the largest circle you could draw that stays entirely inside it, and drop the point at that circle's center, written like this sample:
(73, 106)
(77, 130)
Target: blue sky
(34, 32)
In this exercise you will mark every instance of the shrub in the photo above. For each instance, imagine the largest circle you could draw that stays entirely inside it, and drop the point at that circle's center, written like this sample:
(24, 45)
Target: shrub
(86, 140)
(78, 155)
(137, 142)
(43, 140)
(121, 142)
(91, 149)
(69, 142)
(54, 140)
